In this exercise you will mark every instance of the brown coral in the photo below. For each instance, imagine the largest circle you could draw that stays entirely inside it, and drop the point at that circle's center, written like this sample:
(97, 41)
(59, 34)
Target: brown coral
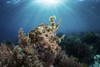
(39, 48)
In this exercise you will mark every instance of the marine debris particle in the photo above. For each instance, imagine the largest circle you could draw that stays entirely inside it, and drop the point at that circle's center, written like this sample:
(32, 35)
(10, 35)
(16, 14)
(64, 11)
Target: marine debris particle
(43, 35)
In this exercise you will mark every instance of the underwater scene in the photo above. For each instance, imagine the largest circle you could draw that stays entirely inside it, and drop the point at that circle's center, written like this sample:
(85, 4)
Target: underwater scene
(49, 33)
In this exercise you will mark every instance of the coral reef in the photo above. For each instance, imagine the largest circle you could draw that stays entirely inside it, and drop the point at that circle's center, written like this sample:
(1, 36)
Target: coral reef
(39, 48)
(82, 48)
(74, 47)
(97, 47)
(90, 38)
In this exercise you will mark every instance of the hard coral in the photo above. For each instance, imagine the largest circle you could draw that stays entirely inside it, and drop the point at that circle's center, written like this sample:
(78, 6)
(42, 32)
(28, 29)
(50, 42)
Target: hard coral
(38, 49)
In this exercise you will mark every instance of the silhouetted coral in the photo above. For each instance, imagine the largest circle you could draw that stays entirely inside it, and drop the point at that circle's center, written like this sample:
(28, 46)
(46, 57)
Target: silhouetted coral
(90, 38)
(97, 47)
(80, 51)
(63, 61)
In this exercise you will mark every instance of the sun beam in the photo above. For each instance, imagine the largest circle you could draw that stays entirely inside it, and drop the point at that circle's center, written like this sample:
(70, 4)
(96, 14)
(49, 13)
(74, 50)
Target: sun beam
(48, 2)
(52, 1)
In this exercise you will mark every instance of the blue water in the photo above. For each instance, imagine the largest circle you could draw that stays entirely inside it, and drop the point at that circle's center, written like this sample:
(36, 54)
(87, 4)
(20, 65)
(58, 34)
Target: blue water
(77, 15)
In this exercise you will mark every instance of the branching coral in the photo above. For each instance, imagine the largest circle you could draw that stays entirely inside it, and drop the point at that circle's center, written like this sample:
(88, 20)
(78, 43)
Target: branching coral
(39, 48)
